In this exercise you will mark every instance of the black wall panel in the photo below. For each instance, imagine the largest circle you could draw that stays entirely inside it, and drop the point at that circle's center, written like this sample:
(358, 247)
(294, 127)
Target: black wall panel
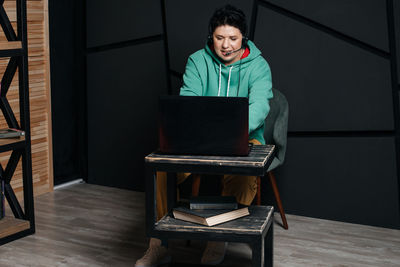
(346, 179)
(176, 84)
(123, 89)
(397, 32)
(187, 26)
(331, 85)
(341, 158)
(62, 67)
(67, 90)
(364, 20)
(120, 20)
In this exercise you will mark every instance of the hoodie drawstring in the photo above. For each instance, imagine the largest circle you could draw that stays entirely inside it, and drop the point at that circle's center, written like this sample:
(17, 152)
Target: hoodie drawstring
(219, 82)
(229, 80)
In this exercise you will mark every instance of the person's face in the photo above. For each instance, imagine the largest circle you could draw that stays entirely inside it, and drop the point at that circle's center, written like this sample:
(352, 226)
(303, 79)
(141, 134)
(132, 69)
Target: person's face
(227, 38)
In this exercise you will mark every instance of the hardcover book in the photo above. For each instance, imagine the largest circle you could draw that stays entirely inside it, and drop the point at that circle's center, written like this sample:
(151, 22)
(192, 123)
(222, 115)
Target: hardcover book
(209, 217)
(213, 202)
(11, 133)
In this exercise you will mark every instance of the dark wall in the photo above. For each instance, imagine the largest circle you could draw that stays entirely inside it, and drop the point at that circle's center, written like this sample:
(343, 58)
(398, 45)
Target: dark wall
(396, 7)
(126, 72)
(67, 89)
(336, 63)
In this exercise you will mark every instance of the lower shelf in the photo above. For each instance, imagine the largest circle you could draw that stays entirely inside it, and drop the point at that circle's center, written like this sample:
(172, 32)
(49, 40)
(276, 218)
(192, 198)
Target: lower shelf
(10, 225)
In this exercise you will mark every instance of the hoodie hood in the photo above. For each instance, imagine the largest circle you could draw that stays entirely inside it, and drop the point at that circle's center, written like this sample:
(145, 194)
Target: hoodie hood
(228, 77)
(207, 75)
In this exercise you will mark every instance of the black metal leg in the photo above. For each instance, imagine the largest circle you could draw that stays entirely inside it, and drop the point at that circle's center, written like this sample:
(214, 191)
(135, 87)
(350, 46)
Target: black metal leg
(151, 202)
(7, 174)
(258, 253)
(171, 190)
(28, 188)
(13, 202)
(6, 25)
(269, 246)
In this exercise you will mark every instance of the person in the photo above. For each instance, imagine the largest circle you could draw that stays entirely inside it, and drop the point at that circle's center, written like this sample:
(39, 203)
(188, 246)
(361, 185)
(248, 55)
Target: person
(229, 65)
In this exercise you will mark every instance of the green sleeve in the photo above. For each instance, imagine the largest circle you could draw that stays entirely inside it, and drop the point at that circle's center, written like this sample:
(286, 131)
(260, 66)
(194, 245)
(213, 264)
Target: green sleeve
(192, 84)
(260, 91)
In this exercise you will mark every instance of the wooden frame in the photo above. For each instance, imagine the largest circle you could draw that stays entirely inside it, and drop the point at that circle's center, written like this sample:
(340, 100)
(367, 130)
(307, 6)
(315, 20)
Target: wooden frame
(39, 91)
(25, 103)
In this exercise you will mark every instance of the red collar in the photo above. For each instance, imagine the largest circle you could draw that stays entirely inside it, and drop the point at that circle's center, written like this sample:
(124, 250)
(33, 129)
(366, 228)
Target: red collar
(245, 53)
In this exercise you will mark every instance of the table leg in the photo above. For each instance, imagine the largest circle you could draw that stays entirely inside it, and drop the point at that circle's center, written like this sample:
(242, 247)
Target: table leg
(258, 253)
(269, 246)
(171, 190)
(151, 201)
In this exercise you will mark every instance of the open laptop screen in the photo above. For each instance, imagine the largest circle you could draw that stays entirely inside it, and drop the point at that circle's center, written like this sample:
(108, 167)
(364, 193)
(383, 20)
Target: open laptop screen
(202, 125)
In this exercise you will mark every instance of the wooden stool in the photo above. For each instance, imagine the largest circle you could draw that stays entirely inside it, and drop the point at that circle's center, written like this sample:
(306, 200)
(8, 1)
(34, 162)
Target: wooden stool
(255, 229)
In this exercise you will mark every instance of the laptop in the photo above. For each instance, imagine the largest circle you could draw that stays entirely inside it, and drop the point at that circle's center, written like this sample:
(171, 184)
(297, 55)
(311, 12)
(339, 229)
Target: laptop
(203, 125)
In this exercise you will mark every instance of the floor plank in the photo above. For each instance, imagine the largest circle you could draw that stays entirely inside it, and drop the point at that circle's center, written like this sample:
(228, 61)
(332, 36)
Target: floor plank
(90, 225)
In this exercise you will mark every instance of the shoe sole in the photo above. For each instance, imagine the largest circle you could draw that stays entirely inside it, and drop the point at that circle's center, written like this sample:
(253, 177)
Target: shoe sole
(163, 261)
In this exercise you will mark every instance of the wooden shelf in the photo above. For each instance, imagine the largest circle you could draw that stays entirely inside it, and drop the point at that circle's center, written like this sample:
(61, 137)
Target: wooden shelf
(10, 225)
(11, 228)
(4, 45)
(7, 141)
(11, 49)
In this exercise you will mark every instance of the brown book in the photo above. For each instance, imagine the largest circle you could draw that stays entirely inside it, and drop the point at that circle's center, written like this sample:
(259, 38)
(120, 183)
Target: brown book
(209, 217)
(213, 203)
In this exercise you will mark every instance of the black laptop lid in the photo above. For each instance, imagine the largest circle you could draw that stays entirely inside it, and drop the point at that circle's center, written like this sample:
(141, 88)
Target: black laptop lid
(201, 125)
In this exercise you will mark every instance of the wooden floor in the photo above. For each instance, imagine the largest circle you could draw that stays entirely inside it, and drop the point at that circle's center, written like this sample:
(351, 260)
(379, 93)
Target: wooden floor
(88, 225)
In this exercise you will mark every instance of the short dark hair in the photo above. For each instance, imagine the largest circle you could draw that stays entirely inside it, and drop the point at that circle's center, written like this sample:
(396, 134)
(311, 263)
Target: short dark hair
(228, 15)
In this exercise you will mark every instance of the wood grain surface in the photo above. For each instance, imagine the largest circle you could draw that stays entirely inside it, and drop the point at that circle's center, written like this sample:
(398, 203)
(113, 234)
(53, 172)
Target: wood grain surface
(89, 225)
(253, 224)
(39, 95)
(257, 158)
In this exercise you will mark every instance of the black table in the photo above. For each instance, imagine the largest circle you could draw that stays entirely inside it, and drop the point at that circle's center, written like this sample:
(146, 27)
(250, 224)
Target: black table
(255, 229)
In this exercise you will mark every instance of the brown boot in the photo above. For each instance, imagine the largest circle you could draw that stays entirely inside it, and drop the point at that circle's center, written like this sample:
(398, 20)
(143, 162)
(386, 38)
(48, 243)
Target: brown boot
(214, 253)
(155, 255)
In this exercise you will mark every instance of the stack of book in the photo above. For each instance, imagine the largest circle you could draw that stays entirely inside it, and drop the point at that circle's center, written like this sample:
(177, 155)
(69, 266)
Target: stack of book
(210, 211)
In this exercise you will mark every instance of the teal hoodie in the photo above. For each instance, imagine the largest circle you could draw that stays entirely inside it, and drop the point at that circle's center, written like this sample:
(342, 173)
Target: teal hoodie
(206, 75)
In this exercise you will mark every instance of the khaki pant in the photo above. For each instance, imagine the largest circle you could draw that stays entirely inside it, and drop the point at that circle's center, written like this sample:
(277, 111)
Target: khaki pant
(244, 188)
